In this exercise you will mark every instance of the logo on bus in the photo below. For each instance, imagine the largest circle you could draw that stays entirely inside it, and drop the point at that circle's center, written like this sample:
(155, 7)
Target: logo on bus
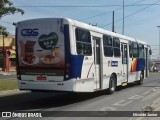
(29, 32)
(114, 63)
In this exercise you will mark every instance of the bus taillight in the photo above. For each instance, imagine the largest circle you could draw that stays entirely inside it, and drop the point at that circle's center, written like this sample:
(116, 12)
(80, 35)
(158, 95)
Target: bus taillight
(67, 71)
(18, 73)
(67, 65)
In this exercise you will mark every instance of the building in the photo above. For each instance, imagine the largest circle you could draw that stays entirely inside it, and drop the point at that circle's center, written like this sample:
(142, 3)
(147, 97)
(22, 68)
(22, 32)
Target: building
(157, 65)
(7, 53)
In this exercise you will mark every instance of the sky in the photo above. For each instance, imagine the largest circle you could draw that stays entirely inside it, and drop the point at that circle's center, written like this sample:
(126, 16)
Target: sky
(141, 17)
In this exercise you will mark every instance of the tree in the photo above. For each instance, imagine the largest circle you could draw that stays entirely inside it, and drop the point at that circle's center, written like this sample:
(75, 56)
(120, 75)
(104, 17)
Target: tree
(7, 8)
(3, 30)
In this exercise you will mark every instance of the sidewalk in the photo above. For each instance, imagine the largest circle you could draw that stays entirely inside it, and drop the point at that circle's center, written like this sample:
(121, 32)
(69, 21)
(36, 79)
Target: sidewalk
(8, 73)
(12, 92)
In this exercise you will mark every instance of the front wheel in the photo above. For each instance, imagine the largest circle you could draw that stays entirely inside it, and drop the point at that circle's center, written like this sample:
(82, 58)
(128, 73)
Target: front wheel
(112, 85)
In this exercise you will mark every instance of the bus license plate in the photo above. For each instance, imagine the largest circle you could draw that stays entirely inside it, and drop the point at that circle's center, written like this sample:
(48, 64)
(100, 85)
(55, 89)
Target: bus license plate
(41, 78)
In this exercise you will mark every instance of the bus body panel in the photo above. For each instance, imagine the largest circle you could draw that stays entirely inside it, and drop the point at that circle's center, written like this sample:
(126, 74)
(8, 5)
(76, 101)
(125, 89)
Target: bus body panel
(72, 85)
(45, 86)
(48, 57)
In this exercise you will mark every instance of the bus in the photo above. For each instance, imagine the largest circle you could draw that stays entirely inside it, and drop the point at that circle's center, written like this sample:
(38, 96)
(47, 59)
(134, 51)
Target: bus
(61, 54)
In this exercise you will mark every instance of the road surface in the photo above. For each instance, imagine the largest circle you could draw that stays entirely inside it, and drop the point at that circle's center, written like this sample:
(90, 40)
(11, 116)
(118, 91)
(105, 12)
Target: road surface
(130, 98)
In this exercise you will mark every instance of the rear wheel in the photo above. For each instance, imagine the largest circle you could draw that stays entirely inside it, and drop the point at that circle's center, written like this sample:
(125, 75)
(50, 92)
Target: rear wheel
(140, 82)
(112, 85)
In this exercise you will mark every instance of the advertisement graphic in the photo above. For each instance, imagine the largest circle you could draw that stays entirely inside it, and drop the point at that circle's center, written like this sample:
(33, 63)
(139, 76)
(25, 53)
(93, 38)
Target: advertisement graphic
(41, 45)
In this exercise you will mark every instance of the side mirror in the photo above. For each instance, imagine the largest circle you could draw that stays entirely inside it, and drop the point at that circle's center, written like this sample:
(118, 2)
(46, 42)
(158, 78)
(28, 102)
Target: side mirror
(150, 52)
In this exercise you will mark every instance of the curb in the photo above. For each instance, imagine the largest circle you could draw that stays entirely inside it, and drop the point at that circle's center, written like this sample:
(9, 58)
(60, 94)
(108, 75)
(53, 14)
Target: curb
(11, 92)
(8, 73)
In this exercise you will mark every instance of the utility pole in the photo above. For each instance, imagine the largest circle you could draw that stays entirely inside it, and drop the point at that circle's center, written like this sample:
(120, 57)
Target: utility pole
(113, 22)
(159, 41)
(123, 20)
(4, 62)
(4, 34)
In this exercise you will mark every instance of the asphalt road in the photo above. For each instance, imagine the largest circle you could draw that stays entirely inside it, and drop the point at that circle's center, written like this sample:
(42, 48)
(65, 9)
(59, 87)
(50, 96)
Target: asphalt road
(130, 98)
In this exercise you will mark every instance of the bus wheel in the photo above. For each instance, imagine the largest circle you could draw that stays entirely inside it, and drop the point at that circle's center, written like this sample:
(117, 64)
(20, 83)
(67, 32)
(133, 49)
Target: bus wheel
(112, 85)
(140, 82)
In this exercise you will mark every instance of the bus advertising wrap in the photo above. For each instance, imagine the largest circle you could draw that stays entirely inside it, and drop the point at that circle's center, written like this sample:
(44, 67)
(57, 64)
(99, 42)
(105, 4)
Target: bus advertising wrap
(41, 45)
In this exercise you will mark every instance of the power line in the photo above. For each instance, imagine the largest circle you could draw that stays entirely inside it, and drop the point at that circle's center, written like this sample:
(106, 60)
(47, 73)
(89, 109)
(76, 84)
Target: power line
(132, 13)
(89, 5)
(38, 10)
(41, 11)
(143, 21)
(46, 12)
(108, 11)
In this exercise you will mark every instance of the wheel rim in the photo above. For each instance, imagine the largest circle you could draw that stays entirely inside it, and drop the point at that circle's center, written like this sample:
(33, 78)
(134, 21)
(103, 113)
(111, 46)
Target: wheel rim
(141, 79)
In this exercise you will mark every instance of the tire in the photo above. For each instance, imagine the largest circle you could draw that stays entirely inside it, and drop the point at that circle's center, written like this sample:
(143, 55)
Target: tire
(112, 85)
(33, 91)
(140, 82)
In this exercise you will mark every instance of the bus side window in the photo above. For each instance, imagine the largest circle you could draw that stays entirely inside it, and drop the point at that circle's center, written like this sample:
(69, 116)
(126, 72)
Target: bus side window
(130, 50)
(83, 42)
(107, 46)
(141, 51)
(135, 50)
(79, 48)
(116, 47)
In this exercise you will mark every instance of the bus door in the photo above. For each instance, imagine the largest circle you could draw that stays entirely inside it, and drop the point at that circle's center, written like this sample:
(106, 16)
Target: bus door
(124, 62)
(97, 62)
(146, 62)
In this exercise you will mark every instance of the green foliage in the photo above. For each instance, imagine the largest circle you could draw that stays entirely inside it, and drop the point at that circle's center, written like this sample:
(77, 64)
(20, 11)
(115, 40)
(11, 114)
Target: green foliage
(7, 8)
(3, 31)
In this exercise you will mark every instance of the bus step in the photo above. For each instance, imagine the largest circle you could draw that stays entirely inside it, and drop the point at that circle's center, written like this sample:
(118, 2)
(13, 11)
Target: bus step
(124, 84)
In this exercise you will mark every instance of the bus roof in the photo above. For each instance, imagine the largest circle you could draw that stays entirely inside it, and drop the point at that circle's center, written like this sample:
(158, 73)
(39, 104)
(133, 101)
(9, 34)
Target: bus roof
(97, 29)
(90, 27)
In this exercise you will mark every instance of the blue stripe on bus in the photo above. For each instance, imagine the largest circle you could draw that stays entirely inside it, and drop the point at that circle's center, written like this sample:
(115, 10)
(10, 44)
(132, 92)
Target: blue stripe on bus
(140, 64)
(76, 65)
(75, 61)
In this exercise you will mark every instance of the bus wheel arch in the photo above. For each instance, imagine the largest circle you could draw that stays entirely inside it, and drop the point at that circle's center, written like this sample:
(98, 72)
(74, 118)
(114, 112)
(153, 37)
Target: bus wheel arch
(112, 83)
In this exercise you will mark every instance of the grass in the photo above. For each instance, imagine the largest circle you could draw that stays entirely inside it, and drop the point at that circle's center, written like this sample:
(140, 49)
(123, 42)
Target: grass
(8, 85)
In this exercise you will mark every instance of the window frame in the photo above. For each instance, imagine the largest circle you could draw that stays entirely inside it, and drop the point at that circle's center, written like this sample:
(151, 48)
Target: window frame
(107, 46)
(137, 51)
(143, 54)
(82, 42)
(130, 50)
(116, 47)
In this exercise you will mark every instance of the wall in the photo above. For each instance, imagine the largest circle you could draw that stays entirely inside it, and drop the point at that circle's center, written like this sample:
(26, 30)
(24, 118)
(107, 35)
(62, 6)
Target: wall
(7, 62)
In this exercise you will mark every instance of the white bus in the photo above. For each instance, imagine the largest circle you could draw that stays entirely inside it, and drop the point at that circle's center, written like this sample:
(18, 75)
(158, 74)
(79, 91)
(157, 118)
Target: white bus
(61, 54)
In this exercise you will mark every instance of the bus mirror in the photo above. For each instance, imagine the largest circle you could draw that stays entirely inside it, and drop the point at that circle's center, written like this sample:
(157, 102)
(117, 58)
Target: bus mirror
(150, 52)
